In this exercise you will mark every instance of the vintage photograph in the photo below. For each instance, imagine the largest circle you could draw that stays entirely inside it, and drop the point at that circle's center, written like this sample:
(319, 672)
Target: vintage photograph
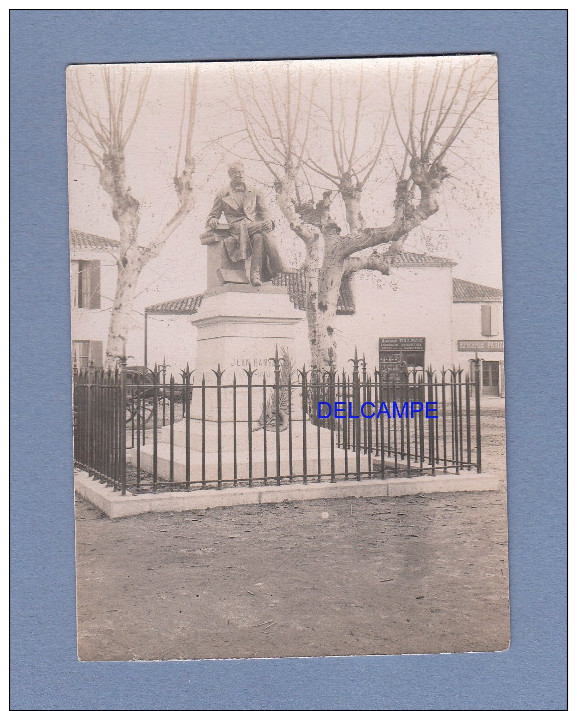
(288, 358)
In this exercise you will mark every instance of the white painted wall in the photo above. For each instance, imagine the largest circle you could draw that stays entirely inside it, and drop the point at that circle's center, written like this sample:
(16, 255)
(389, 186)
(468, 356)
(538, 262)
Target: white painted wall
(172, 338)
(414, 301)
(92, 324)
(467, 325)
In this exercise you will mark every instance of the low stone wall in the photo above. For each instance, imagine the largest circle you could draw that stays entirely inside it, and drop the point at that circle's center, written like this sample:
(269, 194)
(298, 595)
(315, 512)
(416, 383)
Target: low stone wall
(114, 505)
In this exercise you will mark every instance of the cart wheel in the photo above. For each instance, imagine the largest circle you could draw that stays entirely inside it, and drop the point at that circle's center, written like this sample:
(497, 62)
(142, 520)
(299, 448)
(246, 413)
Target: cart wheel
(146, 412)
(163, 411)
(130, 412)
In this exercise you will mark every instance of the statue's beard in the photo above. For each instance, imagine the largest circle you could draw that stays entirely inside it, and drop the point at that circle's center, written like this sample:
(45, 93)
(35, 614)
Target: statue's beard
(239, 185)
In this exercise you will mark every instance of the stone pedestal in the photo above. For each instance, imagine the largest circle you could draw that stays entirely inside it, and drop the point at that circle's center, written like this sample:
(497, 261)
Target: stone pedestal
(241, 327)
(311, 451)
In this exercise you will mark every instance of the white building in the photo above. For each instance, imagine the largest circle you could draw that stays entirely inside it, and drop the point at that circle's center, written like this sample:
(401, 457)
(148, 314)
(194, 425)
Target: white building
(478, 329)
(92, 289)
(418, 314)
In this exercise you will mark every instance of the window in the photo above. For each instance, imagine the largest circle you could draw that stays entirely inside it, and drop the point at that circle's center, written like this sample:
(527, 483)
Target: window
(490, 377)
(85, 353)
(486, 320)
(85, 283)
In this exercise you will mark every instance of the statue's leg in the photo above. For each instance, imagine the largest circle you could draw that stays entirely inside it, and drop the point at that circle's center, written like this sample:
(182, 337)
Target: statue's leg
(257, 257)
(274, 258)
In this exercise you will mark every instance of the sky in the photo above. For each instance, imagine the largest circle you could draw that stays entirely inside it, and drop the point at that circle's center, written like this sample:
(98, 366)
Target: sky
(466, 227)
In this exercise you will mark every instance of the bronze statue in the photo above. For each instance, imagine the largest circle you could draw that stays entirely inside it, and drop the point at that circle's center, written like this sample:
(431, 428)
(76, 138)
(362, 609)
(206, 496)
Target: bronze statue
(250, 226)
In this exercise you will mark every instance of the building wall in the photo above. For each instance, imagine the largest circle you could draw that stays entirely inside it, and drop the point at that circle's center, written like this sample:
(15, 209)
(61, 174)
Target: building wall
(171, 339)
(467, 320)
(411, 302)
(468, 325)
(89, 324)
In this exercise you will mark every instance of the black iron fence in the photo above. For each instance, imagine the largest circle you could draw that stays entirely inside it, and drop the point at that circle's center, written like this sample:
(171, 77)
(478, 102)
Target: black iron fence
(141, 430)
(99, 424)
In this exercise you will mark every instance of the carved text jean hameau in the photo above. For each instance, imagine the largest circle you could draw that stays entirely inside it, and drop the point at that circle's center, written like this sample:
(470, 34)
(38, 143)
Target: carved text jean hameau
(368, 410)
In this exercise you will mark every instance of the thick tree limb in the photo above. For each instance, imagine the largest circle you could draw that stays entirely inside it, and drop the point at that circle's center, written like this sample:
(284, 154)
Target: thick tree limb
(429, 115)
(373, 261)
(286, 200)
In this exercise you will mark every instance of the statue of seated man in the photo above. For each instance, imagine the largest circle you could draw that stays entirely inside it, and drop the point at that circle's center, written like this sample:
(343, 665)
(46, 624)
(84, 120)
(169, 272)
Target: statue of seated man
(250, 233)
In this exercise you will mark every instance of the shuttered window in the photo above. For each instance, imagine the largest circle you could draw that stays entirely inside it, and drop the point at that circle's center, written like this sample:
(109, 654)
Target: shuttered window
(74, 283)
(486, 325)
(81, 354)
(96, 353)
(94, 292)
(86, 353)
(87, 293)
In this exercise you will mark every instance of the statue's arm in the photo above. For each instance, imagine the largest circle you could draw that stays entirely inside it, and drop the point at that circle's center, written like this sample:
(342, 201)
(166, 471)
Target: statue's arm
(215, 212)
(263, 211)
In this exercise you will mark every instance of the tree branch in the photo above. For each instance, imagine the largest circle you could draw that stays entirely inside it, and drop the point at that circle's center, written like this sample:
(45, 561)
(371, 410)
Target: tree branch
(374, 261)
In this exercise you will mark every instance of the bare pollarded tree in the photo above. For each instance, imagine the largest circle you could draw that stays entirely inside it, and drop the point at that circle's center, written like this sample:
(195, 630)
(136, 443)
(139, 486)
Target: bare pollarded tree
(311, 127)
(103, 123)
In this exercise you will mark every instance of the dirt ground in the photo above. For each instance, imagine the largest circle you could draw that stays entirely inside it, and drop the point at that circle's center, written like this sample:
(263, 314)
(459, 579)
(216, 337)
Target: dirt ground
(416, 574)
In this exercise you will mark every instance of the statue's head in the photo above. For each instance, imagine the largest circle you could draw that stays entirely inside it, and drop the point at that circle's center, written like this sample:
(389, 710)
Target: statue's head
(236, 173)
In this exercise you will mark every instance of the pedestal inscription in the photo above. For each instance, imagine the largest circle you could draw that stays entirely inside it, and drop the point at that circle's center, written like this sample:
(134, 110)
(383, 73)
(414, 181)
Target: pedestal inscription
(241, 330)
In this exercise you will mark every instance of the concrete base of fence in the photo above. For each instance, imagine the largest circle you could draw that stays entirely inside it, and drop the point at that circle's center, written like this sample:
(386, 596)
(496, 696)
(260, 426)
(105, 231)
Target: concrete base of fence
(114, 505)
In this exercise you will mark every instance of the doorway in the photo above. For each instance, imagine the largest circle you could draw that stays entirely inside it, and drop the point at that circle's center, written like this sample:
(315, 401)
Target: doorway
(490, 377)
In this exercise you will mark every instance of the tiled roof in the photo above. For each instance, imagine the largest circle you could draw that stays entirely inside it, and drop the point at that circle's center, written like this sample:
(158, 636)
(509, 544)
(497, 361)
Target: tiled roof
(296, 287)
(294, 282)
(409, 259)
(186, 305)
(464, 291)
(85, 240)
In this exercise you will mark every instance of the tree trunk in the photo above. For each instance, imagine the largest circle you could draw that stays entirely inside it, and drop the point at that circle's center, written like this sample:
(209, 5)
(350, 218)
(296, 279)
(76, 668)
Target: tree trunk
(126, 212)
(321, 313)
(106, 141)
(331, 255)
(121, 314)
